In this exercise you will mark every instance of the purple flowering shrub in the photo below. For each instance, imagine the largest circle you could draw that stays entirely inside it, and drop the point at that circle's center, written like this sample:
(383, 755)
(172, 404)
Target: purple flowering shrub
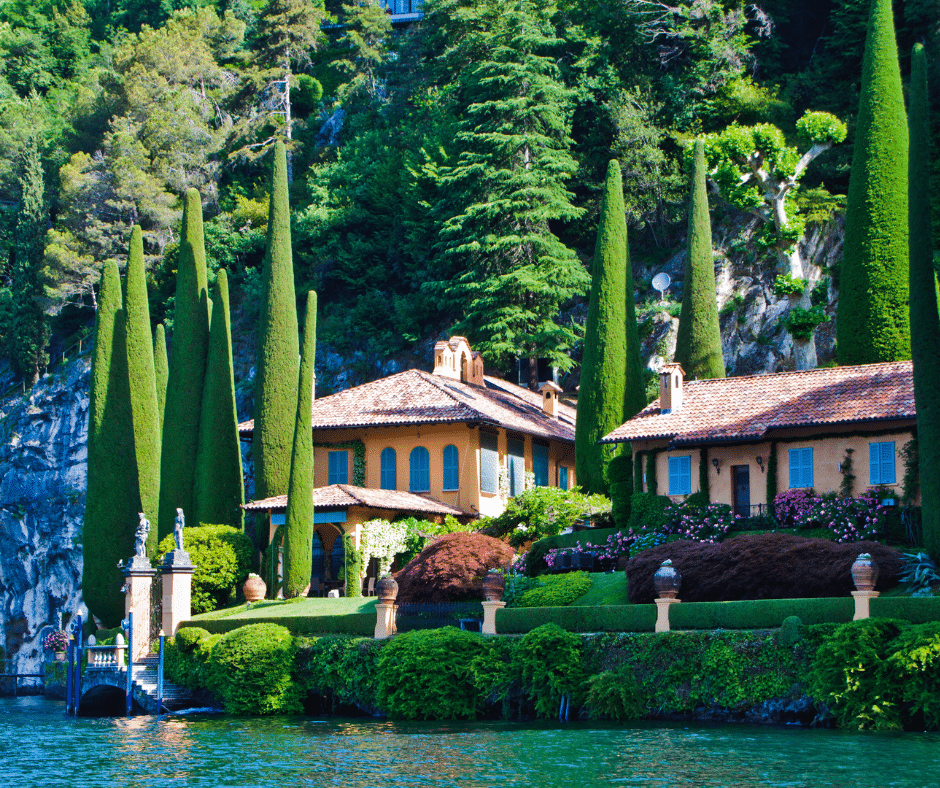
(850, 519)
(709, 523)
(792, 506)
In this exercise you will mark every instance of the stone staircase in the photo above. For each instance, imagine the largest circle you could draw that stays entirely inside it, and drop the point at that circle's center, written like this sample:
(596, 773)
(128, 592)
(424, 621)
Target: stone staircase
(175, 697)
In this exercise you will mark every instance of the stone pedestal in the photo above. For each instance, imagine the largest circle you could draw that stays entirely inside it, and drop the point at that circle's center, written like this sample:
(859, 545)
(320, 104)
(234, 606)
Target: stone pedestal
(137, 588)
(862, 600)
(662, 613)
(385, 620)
(489, 616)
(177, 590)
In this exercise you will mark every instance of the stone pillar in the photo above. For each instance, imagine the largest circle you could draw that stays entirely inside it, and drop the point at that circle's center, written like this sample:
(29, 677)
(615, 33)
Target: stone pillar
(489, 616)
(385, 620)
(177, 590)
(139, 576)
(662, 613)
(862, 600)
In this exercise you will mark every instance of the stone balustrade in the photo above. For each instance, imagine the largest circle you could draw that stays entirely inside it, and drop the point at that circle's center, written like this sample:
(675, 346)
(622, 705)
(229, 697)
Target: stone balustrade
(107, 657)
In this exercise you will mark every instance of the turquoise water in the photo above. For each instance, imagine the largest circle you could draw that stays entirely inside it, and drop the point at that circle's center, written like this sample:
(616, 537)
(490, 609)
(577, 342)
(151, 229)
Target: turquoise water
(40, 747)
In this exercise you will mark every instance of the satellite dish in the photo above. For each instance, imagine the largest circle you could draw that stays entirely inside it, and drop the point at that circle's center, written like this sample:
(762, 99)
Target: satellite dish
(661, 282)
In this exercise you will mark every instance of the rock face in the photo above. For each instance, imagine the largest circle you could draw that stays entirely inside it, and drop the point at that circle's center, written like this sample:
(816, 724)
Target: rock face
(42, 498)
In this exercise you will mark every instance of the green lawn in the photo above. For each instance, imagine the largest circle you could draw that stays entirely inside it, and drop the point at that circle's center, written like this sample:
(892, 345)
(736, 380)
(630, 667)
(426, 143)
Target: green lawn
(607, 589)
(312, 606)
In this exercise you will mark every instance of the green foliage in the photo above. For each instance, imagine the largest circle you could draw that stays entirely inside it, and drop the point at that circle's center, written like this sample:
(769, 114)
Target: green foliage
(187, 372)
(343, 669)
(354, 567)
(786, 285)
(873, 322)
(222, 556)
(112, 499)
(698, 341)
(925, 322)
(790, 631)
(425, 675)
(615, 695)
(556, 590)
(357, 624)
(548, 661)
(772, 476)
(278, 346)
(801, 323)
(161, 367)
(920, 574)
(219, 488)
(620, 472)
(648, 511)
(273, 580)
(847, 485)
(650, 475)
(912, 670)
(187, 657)
(821, 127)
(603, 368)
(298, 533)
(250, 671)
(542, 511)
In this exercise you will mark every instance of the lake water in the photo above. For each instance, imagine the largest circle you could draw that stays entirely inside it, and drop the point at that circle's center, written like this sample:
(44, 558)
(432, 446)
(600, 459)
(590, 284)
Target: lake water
(40, 747)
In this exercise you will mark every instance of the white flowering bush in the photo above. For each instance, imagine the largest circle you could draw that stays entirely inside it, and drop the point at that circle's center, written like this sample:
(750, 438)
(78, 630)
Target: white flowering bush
(383, 540)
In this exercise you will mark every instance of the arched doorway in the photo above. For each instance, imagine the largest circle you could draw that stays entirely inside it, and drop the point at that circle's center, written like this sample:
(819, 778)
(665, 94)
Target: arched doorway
(329, 558)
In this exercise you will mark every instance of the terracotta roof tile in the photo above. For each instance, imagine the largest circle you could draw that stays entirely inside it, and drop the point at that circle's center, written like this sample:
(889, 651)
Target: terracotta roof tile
(416, 397)
(342, 496)
(747, 408)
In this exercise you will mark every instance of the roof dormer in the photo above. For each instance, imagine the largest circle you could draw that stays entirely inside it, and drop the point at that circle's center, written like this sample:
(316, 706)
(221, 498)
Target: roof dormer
(670, 388)
(550, 392)
(454, 359)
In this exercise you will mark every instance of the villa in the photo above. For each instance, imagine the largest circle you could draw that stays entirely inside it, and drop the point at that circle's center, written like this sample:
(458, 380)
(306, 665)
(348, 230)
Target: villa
(810, 429)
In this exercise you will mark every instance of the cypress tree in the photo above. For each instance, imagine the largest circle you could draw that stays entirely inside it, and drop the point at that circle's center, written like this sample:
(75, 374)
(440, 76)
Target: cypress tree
(698, 343)
(220, 488)
(112, 499)
(161, 369)
(143, 385)
(873, 322)
(925, 321)
(298, 532)
(187, 371)
(278, 346)
(601, 396)
(634, 391)
(621, 488)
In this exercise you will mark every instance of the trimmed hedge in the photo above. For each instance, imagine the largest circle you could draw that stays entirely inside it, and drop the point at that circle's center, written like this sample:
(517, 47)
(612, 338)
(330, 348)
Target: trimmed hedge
(917, 610)
(759, 613)
(612, 618)
(347, 624)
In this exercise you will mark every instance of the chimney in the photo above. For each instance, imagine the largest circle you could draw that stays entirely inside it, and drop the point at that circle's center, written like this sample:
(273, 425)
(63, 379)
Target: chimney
(670, 388)
(550, 392)
(454, 359)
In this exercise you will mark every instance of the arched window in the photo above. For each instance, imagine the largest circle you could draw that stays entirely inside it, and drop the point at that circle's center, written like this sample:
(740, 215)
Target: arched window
(420, 465)
(389, 480)
(451, 469)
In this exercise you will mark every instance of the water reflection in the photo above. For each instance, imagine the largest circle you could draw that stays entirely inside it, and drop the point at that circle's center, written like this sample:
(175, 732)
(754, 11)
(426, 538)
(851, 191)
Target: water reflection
(40, 747)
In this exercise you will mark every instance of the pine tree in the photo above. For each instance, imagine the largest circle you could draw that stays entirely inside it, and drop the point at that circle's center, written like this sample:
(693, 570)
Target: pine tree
(187, 372)
(925, 321)
(143, 386)
(220, 488)
(873, 322)
(698, 344)
(603, 368)
(278, 346)
(512, 275)
(161, 367)
(298, 532)
(29, 329)
(112, 502)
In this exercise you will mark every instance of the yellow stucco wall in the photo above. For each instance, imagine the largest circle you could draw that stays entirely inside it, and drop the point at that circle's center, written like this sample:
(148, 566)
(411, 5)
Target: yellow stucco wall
(434, 438)
(828, 454)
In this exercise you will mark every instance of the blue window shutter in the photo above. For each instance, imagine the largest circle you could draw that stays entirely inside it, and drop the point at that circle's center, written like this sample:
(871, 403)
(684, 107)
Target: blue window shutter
(516, 450)
(489, 462)
(389, 480)
(338, 467)
(795, 468)
(807, 475)
(674, 476)
(540, 464)
(420, 470)
(874, 463)
(563, 477)
(888, 473)
(687, 475)
(451, 468)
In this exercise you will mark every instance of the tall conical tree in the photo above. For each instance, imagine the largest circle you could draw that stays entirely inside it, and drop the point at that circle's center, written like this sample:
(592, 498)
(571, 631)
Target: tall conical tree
(298, 532)
(161, 367)
(698, 343)
(873, 322)
(220, 488)
(634, 389)
(143, 385)
(112, 502)
(187, 371)
(278, 346)
(925, 321)
(601, 396)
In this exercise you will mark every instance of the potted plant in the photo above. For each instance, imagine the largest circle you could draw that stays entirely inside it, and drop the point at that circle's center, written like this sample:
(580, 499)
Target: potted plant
(57, 642)
(254, 588)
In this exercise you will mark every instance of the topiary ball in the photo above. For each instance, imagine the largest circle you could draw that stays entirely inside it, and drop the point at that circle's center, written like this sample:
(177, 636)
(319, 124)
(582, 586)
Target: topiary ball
(789, 634)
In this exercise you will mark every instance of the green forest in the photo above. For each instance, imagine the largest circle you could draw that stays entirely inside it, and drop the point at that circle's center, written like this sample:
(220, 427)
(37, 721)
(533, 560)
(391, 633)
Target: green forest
(446, 172)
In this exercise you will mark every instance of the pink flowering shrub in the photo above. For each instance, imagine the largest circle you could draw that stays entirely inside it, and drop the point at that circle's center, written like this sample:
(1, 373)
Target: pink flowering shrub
(792, 506)
(709, 523)
(849, 519)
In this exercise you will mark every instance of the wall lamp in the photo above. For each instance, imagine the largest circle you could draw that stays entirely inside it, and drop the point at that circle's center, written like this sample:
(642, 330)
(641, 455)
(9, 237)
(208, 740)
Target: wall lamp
(760, 463)
(715, 463)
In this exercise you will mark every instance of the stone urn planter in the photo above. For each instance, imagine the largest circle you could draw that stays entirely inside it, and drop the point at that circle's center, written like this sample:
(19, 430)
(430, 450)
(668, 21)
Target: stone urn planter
(59, 656)
(666, 581)
(494, 584)
(254, 588)
(865, 573)
(386, 590)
